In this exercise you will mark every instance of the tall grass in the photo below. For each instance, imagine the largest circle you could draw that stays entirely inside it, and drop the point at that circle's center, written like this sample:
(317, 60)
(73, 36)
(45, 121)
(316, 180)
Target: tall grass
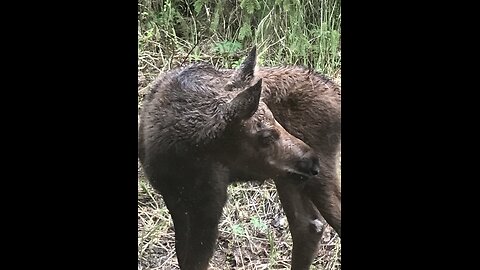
(289, 32)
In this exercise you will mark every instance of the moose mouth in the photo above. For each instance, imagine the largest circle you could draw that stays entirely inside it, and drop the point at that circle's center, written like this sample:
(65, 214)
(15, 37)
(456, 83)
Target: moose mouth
(298, 175)
(297, 172)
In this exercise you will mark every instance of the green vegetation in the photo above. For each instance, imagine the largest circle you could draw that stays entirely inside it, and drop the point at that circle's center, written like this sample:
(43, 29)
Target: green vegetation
(287, 32)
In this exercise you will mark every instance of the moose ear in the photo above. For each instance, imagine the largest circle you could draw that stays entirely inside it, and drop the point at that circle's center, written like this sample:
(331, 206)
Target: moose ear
(245, 104)
(245, 72)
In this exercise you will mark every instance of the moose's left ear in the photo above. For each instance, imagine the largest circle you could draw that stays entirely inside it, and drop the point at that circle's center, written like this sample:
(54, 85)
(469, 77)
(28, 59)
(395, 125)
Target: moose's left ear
(245, 104)
(245, 72)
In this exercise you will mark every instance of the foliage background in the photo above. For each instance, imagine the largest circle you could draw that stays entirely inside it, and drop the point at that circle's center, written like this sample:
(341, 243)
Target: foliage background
(286, 32)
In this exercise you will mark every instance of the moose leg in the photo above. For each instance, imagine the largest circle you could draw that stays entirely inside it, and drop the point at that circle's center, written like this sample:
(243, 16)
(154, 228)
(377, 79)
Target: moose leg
(324, 191)
(203, 234)
(195, 214)
(304, 221)
(178, 211)
(205, 199)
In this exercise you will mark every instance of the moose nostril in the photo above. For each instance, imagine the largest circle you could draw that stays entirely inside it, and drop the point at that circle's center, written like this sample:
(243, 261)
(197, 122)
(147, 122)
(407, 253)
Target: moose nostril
(309, 166)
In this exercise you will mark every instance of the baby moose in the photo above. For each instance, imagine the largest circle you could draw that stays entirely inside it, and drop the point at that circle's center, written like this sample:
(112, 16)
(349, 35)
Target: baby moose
(201, 129)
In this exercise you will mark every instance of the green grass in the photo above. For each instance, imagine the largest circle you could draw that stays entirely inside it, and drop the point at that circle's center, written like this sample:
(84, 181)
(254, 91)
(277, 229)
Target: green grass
(287, 32)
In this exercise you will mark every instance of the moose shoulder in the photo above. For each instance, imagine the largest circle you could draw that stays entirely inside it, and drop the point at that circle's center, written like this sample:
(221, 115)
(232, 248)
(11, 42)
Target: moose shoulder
(202, 128)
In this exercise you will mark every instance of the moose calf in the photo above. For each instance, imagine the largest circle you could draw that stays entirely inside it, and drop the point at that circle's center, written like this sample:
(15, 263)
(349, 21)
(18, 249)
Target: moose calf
(202, 128)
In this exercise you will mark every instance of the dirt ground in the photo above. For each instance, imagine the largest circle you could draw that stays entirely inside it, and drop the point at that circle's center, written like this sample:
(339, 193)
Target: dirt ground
(254, 232)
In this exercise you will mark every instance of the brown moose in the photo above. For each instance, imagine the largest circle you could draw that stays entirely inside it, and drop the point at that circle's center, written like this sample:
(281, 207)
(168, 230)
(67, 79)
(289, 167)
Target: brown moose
(202, 128)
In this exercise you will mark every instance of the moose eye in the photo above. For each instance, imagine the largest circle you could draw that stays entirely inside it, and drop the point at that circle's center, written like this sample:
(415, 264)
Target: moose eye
(268, 137)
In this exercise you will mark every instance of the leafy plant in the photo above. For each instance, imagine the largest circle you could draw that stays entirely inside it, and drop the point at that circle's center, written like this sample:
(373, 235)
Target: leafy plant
(258, 224)
(227, 47)
(238, 230)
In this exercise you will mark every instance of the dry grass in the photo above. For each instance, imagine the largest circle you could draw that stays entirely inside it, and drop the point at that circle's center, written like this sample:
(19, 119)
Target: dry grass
(253, 232)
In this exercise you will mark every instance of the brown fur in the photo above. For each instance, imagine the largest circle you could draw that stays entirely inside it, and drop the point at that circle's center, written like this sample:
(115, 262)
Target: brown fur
(308, 106)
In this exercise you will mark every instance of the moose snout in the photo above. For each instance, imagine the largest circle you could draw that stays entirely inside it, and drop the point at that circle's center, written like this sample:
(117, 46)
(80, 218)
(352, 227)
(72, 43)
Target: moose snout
(309, 165)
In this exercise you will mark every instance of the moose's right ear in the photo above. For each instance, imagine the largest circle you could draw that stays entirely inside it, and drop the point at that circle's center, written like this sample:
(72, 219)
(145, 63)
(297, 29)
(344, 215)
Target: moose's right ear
(245, 104)
(245, 72)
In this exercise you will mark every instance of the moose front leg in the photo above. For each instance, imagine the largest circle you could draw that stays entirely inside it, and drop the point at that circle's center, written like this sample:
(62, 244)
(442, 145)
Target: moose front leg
(324, 191)
(204, 211)
(305, 222)
(196, 212)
